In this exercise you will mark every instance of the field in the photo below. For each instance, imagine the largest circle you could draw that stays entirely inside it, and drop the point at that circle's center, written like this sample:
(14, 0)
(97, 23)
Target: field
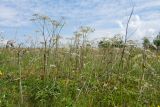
(79, 76)
(79, 53)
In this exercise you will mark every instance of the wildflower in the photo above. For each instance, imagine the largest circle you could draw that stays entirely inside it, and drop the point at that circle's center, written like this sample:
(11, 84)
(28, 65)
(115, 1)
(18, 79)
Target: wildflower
(75, 54)
(146, 84)
(115, 88)
(52, 66)
(78, 89)
(105, 85)
(1, 73)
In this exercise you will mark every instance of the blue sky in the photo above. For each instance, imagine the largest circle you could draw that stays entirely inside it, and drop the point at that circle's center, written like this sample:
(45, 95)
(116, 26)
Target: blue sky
(107, 17)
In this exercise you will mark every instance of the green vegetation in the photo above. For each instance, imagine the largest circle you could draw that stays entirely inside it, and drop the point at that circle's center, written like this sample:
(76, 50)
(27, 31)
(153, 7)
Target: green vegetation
(114, 75)
(157, 41)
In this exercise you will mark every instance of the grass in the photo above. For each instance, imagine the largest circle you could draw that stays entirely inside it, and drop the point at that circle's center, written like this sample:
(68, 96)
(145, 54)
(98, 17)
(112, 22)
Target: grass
(102, 81)
(81, 75)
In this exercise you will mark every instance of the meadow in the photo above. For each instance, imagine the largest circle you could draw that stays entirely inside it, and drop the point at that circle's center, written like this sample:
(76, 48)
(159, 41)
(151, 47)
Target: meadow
(80, 75)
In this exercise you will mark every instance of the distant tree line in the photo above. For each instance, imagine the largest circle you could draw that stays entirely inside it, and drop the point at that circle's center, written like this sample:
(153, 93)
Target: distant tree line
(117, 41)
(152, 45)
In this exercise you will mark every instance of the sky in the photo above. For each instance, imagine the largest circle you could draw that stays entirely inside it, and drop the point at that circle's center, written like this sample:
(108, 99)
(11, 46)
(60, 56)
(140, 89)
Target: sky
(107, 17)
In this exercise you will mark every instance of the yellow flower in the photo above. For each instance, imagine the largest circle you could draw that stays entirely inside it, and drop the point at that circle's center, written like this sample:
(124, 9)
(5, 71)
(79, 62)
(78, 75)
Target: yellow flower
(158, 106)
(0, 73)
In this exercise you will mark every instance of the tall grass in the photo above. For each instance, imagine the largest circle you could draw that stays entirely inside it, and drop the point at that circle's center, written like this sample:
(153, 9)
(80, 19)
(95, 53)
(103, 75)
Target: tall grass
(80, 75)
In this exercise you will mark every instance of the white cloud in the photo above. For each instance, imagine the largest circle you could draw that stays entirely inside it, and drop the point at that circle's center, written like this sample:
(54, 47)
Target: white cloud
(139, 28)
(7, 13)
(120, 24)
(100, 33)
(101, 14)
(10, 17)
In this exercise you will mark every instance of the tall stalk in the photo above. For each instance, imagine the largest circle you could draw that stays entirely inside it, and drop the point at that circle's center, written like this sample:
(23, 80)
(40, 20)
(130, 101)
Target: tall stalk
(121, 64)
(20, 75)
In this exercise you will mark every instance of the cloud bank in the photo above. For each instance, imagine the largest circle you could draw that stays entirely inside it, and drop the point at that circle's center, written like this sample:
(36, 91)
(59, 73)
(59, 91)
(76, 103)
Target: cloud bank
(108, 17)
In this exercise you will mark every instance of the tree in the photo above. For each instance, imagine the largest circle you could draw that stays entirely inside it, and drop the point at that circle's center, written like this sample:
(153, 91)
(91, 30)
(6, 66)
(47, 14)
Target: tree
(156, 41)
(146, 43)
(117, 41)
(104, 44)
